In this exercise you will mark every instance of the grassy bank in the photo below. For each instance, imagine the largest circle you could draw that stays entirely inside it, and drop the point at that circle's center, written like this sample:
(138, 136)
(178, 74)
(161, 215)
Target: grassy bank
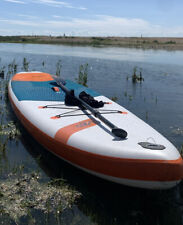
(132, 42)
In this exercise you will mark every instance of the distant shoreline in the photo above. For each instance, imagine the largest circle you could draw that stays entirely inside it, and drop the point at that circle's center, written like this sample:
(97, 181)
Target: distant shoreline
(129, 42)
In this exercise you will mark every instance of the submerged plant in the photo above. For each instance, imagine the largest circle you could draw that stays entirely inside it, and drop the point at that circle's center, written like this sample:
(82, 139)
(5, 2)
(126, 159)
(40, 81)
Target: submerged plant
(83, 75)
(20, 193)
(3, 147)
(177, 130)
(10, 130)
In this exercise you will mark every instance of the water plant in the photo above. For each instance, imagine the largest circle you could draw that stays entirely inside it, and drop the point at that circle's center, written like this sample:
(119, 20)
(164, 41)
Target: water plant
(130, 97)
(125, 93)
(58, 68)
(21, 193)
(25, 64)
(114, 99)
(177, 130)
(137, 78)
(181, 150)
(83, 75)
(170, 42)
(3, 147)
(10, 130)
(147, 115)
(2, 71)
(156, 41)
(12, 67)
(156, 100)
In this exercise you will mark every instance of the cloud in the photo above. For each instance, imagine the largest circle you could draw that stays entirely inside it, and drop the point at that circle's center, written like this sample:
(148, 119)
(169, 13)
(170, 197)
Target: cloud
(100, 25)
(103, 25)
(52, 3)
(28, 16)
(58, 17)
(20, 22)
(56, 3)
(15, 1)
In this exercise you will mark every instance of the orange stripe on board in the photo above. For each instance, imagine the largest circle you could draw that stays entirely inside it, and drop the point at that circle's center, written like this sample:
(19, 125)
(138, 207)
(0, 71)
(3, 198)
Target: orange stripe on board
(64, 133)
(32, 77)
(136, 169)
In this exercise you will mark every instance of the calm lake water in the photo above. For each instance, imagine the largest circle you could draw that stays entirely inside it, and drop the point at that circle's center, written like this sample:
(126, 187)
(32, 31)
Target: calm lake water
(158, 100)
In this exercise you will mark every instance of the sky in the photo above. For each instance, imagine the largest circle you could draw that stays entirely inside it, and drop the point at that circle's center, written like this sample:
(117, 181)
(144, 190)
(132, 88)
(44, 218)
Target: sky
(126, 18)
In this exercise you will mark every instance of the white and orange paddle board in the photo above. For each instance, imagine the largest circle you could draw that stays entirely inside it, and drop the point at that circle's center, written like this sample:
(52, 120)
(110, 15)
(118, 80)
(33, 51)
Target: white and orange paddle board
(143, 159)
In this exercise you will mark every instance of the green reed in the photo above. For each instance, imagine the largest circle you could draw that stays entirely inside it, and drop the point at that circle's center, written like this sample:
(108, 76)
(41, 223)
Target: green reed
(137, 77)
(25, 65)
(58, 68)
(83, 75)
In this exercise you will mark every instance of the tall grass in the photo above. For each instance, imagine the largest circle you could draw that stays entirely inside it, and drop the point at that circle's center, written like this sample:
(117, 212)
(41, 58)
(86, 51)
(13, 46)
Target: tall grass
(83, 75)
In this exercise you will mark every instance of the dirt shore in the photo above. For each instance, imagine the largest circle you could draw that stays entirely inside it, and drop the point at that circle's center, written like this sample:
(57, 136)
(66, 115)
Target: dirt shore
(132, 42)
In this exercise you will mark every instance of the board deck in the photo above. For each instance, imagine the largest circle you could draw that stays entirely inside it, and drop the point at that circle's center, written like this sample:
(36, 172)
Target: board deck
(81, 139)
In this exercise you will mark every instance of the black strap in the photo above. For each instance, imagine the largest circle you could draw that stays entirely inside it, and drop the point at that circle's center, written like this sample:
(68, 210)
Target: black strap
(70, 100)
(90, 100)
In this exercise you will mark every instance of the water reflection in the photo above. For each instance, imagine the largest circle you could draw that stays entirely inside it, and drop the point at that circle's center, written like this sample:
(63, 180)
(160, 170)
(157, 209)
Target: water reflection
(110, 53)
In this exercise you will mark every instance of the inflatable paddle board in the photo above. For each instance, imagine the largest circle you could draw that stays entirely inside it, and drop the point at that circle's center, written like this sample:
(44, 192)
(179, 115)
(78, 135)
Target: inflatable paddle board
(144, 158)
